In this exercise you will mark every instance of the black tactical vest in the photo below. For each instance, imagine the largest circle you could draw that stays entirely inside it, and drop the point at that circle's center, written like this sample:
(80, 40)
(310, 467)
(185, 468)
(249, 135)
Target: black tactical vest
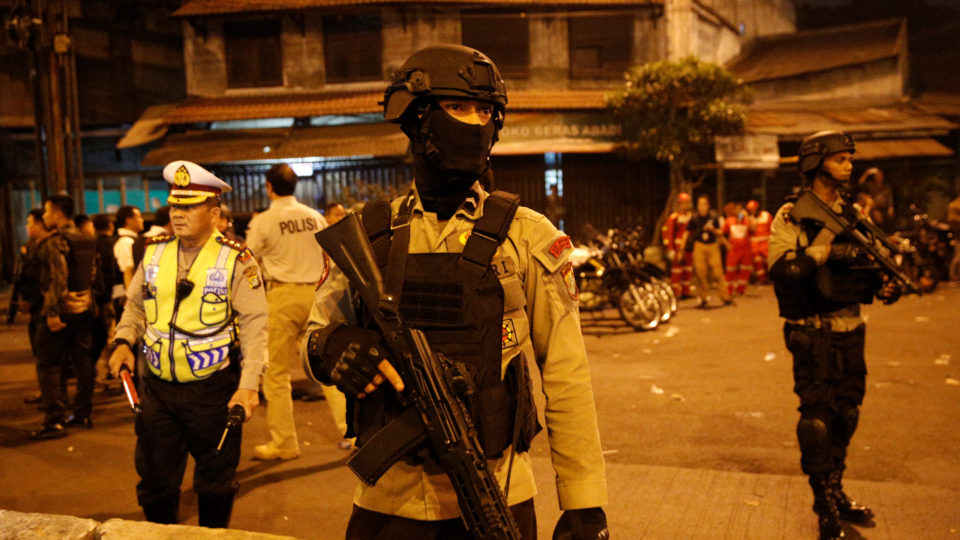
(832, 287)
(457, 301)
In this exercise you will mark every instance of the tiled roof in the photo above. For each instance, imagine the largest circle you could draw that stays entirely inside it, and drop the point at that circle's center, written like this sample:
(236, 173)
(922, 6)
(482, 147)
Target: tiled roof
(898, 148)
(218, 7)
(787, 55)
(945, 103)
(794, 120)
(321, 104)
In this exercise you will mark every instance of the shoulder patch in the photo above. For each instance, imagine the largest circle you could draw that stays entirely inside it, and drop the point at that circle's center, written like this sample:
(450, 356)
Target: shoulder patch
(158, 239)
(560, 245)
(552, 250)
(253, 276)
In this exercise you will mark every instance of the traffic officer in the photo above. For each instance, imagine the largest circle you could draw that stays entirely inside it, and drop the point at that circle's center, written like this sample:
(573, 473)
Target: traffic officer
(281, 238)
(489, 287)
(819, 289)
(65, 336)
(197, 302)
(674, 235)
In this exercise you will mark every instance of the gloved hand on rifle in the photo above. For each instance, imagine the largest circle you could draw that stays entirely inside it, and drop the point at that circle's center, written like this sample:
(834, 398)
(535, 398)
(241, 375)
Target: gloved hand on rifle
(890, 292)
(351, 358)
(582, 524)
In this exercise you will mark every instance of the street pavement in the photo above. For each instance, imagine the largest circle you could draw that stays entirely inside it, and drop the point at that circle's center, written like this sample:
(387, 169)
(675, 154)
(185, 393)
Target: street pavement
(697, 420)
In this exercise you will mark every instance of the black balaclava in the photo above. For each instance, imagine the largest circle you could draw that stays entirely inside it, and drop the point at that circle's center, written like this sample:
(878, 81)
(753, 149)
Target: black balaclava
(448, 157)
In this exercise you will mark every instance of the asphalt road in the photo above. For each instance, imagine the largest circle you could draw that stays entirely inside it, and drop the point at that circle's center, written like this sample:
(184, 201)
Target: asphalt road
(697, 420)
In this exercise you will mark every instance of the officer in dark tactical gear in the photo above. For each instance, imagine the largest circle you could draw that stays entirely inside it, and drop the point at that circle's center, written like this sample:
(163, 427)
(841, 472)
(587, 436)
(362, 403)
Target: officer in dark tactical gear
(490, 285)
(820, 282)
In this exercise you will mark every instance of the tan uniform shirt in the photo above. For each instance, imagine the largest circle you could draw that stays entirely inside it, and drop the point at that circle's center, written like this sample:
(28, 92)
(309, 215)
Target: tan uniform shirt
(786, 236)
(248, 301)
(530, 265)
(281, 238)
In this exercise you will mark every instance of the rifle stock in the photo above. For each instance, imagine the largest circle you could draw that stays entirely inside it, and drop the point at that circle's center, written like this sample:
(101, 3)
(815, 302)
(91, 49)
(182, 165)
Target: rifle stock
(811, 207)
(436, 414)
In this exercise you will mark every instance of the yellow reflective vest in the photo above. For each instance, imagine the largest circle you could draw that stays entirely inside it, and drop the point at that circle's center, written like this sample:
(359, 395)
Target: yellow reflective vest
(190, 339)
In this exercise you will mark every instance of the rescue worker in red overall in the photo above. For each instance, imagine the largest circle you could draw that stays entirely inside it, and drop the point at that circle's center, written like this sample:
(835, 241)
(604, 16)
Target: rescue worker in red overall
(674, 233)
(736, 227)
(760, 221)
(490, 285)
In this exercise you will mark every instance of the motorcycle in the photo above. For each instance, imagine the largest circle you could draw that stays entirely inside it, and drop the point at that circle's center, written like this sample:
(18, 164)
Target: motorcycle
(605, 280)
(927, 250)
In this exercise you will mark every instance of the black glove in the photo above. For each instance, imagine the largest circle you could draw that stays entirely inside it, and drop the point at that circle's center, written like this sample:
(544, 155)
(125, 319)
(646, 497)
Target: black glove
(848, 253)
(582, 524)
(890, 292)
(349, 358)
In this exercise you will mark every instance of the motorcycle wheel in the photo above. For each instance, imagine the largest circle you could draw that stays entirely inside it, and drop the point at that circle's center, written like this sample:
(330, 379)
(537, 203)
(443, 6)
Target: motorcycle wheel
(668, 298)
(644, 315)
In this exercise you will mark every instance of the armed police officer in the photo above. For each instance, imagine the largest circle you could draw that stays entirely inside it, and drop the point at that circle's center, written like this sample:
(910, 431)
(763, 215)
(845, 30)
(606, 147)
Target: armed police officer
(489, 284)
(820, 280)
(197, 302)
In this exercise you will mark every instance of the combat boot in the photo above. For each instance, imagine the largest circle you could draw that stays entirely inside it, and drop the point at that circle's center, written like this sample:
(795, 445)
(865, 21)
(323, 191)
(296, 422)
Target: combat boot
(848, 509)
(214, 509)
(163, 511)
(825, 506)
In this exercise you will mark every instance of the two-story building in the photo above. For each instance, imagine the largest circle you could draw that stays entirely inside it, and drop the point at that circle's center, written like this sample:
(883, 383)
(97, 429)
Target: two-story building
(299, 81)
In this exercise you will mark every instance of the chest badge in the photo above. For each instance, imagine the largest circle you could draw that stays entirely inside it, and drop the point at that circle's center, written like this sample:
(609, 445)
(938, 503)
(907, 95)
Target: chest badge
(216, 282)
(463, 237)
(509, 335)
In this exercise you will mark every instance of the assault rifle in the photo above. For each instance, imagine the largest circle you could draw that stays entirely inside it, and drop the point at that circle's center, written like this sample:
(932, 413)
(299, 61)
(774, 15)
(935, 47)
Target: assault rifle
(433, 412)
(867, 235)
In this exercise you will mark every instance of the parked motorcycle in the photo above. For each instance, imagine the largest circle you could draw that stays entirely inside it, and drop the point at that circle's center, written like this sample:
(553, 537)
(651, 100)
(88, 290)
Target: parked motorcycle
(605, 280)
(927, 249)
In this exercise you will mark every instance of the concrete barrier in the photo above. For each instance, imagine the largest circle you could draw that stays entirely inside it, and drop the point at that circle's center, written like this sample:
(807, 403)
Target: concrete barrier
(55, 527)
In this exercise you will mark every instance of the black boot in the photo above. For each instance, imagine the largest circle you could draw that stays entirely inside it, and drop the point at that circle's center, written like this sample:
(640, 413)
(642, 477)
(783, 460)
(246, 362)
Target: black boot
(163, 511)
(215, 510)
(848, 508)
(825, 505)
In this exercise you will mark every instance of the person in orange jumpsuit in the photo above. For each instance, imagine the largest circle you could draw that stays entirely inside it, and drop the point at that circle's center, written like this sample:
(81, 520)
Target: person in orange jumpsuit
(674, 234)
(736, 228)
(760, 221)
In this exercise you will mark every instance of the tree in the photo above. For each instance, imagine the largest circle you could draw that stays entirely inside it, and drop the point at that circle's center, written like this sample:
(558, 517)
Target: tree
(671, 110)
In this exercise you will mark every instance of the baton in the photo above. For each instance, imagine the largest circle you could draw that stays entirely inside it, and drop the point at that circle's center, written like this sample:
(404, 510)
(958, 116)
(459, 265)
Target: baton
(235, 417)
(128, 388)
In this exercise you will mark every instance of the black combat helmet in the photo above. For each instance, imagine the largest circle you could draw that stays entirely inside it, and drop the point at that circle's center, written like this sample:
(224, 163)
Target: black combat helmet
(452, 71)
(820, 145)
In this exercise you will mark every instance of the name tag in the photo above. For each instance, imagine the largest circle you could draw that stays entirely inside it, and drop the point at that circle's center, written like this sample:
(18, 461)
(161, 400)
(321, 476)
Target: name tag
(150, 273)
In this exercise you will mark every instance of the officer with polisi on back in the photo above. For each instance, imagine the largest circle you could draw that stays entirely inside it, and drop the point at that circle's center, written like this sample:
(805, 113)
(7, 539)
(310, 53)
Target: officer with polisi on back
(824, 262)
(197, 302)
(487, 285)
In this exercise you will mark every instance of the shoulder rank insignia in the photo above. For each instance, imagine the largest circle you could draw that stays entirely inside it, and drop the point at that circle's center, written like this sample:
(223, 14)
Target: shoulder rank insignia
(239, 246)
(245, 253)
(158, 239)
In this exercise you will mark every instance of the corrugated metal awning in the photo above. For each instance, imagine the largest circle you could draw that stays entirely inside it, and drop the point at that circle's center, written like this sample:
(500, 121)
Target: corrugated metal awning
(524, 133)
(225, 146)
